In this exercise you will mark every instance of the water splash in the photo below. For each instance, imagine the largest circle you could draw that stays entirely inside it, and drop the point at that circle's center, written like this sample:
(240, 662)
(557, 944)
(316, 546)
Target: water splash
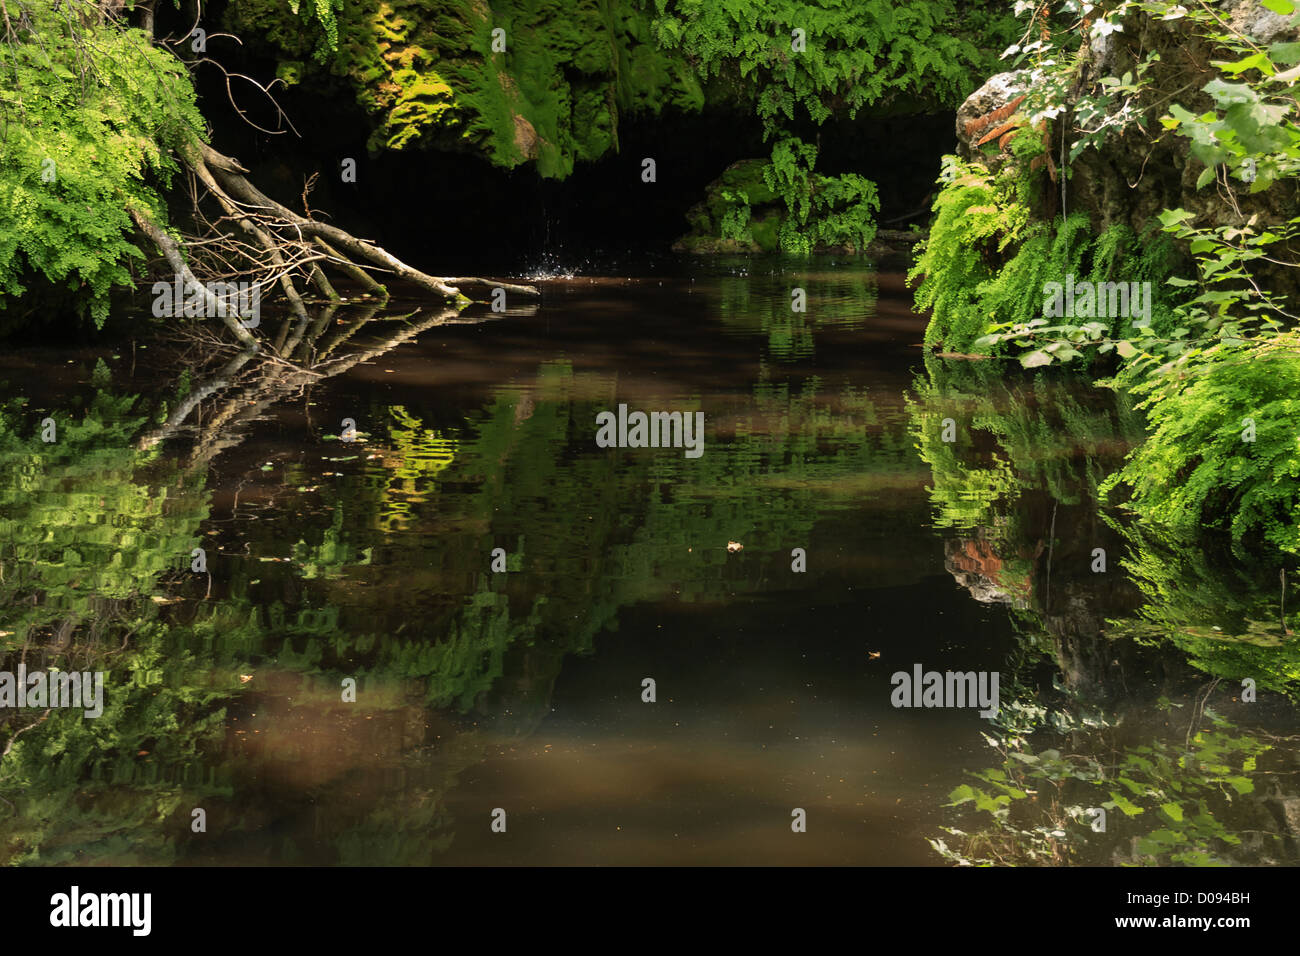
(552, 267)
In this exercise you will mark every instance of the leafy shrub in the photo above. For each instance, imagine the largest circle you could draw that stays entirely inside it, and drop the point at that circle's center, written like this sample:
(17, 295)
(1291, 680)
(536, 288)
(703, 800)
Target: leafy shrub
(984, 267)
(857, 53)
(1223, 451)
(85, 137)
(820, 210)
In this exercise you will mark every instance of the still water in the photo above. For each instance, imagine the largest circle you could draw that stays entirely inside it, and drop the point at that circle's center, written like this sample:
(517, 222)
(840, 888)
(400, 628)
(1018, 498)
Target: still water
(946, 515)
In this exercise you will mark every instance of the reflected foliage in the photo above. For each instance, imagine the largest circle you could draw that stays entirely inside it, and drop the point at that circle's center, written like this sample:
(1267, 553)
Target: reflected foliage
(1164, 802)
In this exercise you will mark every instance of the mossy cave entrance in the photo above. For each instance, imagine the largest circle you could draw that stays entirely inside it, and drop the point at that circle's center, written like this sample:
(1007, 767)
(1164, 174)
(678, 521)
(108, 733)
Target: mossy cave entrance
(459, 210)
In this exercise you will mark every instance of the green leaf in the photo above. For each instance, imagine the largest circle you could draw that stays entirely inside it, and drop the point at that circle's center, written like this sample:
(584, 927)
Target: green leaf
(1240, 784)
(1227, 94)
(1285, 53)
(962, 794)
(1125, 349)
(1129, 808)
(1173, 811)
(1279, 6)
(1035, 359)
(1159, 841)
(1133, 786)
(1256, 61)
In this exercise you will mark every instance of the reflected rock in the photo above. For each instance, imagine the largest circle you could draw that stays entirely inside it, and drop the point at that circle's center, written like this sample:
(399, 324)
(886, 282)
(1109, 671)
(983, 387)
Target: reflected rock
(977, 567)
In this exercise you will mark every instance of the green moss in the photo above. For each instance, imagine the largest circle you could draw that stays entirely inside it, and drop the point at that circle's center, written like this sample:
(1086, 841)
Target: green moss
(426, 71)
(738, 213)
(761, 205)
(766, 231)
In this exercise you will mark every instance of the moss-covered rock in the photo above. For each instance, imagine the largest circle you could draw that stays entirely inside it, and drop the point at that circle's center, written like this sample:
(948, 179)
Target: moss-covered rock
(739, 213)
(742, 211)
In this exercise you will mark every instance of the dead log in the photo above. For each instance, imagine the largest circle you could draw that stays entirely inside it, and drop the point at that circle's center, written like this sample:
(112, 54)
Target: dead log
(234, 180)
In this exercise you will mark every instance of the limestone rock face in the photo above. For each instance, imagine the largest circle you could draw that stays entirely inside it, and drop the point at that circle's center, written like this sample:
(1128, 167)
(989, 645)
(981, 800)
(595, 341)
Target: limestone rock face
(1140, 172)
(1257, 22)
(997, 92)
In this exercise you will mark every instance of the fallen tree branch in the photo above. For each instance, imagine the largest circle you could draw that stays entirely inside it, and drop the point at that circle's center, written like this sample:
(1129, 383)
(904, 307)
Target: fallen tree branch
(171, 251)
(353, 270)
(233, 177)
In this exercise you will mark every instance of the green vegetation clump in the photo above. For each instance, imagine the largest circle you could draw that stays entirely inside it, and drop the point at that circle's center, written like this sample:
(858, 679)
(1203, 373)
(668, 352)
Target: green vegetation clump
(799, 60)
(82, 139)
(781, 204)
(821, 211)
(521, 81)
(976, 219)
(796, 63)
(739, 213)
(1223, 450)
(552, 86)
(984, 268)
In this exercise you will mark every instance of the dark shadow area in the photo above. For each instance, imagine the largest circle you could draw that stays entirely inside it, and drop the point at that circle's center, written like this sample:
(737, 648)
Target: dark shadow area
(456, 212)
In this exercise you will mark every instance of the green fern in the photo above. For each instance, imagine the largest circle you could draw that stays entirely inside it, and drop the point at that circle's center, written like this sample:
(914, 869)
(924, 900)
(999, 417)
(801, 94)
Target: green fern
(83, 139)
(986, 263)
(1223, 449)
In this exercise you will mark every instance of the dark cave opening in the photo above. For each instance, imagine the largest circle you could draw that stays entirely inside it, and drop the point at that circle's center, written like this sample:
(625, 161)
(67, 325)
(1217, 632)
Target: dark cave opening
(451, 212)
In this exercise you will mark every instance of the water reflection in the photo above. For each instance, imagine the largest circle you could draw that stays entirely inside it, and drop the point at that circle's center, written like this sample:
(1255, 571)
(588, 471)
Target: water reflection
(1131, 757)
(370, 561)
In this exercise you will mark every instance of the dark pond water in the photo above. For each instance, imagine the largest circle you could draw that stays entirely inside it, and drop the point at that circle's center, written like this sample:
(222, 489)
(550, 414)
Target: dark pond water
(521, 690)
